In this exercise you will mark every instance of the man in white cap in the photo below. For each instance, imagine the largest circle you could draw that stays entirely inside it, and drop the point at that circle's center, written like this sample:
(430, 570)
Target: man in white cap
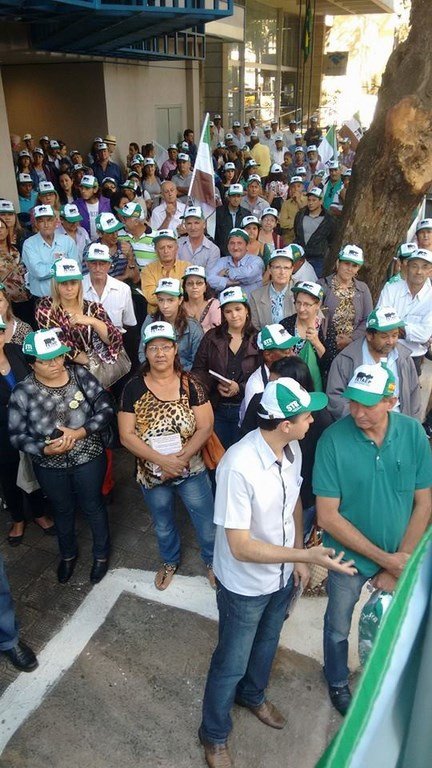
(218, 131)
(424, 234)
(70, 219)
(253, 201)
(239, 267)
(333, 184)
(412, 300)
(103, 165)
(314, 230)
(195, 247)
(27, 195)
(314, 163)
(183, 177)
(40, 251)
(313, 133)
(261, 154)
(381, 341)
(295, 201)
(372, 479)
(114, 295)
(259, 536)
(168, 215)
(138, 235)
(229, 215)
(167, 264)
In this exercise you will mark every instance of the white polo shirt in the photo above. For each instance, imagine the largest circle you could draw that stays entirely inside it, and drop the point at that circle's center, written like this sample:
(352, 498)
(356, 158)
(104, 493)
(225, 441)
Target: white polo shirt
(116, 299)
(255, 493)
(254, 385)
(415, 311)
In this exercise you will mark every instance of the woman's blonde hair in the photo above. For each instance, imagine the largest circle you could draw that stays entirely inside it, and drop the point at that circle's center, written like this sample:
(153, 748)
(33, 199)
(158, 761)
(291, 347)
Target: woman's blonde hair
(9, 314)
(55, 294)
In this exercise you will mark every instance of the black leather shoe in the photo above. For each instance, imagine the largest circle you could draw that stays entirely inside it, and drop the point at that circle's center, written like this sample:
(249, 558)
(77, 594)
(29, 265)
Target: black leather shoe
(98, 571)
(22, 657)
(66, 569)
(340, 698)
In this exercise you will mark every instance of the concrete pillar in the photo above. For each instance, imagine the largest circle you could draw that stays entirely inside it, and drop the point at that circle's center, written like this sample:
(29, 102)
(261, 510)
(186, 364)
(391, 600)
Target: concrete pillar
(193, 113)
(8, 187)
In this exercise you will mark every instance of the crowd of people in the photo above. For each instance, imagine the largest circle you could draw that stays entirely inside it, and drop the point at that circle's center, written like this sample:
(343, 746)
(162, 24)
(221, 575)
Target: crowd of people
(214, 352)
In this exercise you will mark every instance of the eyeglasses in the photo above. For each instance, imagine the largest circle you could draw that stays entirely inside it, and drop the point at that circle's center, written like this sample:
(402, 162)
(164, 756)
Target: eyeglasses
(304, 304)
(51, 363)
(280, 268)
(153, 349)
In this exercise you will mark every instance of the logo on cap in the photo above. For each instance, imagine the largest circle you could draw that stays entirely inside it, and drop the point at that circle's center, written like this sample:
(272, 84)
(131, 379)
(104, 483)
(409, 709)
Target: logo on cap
(155, 327)
(363, 378)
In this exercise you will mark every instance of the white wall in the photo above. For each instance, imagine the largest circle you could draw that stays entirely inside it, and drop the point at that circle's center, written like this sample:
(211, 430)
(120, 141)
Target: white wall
(8, 188)
(132, 94)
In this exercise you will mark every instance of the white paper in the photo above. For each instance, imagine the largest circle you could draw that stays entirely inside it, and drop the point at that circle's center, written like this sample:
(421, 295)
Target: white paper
(218, 376)
(165, 444)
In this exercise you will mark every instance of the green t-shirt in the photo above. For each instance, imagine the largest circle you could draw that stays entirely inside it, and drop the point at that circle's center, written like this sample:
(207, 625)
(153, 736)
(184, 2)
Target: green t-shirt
(143, 247)
(375, 486)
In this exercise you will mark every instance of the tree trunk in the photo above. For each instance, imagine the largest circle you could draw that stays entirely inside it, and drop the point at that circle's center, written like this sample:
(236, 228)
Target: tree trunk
(393, 165)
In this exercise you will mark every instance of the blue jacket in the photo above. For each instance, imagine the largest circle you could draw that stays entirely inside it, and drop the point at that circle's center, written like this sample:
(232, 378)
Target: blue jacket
(188, 343)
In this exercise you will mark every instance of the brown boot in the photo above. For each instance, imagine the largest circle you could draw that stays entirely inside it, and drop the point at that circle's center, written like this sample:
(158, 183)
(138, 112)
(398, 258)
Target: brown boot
(216, 755)
(267, 713)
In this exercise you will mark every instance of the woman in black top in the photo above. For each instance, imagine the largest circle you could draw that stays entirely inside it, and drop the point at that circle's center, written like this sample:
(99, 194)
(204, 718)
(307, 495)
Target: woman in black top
(13, 368)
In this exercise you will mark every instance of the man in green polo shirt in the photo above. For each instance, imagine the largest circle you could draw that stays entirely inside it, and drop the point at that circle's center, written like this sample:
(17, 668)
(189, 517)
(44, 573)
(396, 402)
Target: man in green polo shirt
(138, 234)
(372, 478)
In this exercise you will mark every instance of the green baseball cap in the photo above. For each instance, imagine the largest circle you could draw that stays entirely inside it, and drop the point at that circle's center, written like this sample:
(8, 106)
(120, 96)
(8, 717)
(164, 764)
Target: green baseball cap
(237, 232)
(370, 384)
(234, 294)
(313, 289)
(159, 330)
(169, 285)
(2, 324)
(66, 269)
(275, 336)
(167, 234)
(44, 344)
(107, 223)
(353, 254)
(70, 212)
(285, 398)
(384, 319)
(405, 250)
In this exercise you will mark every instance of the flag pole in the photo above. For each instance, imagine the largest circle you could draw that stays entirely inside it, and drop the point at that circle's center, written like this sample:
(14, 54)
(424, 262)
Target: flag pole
(203, 132)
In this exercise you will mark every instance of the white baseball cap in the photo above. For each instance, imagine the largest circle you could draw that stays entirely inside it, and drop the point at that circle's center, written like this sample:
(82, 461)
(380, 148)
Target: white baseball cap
(98, 252)
(107, 222)
(384, 319)
(424, 224)
(6, 206)
(369, 384)
(269, 211)
(233, 294)
(66, 269)
(46, 187)
(89, 181)
(43, 210)
(306, 286)
(275, 336)
(250, 220)
(159, 330)
(276, 168)
(235, 189)
(169, 285)
(285, 398)
(195, 270)
(193, 211)
(315, 192)
(420, 253)
(353, 254)
(44, 344)
(311, 148)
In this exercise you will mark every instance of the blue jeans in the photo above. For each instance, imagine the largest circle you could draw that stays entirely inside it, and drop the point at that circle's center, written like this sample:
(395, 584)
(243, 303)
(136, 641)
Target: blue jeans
(83, 485)
(8, 622)
(196, 494)
(343, 593)
(226, 423)
(249, 630)
(317, 264)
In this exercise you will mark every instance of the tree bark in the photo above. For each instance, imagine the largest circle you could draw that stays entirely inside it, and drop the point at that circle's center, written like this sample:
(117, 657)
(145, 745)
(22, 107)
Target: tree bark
(393, 165)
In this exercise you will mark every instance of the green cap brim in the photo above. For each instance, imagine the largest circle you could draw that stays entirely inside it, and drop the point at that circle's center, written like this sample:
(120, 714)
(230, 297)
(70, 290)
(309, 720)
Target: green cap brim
(319, 400)
(161, 336)
(285, 345)
(71, 219)
(114, 228)
(385, 328)
(351, 261)
(67, 278)
(364, 398)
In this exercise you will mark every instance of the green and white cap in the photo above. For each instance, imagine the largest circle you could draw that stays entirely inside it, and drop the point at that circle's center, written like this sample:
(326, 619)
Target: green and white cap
(270, 212)
(193, 211)
(65, 269)
(89, 181)
(420, 253)
(235, 189)
(233, 294)
(195, 270)
(250, 220)
(167, 234)
(107, 223)
(128, 184)
(253, 177)
(238, 232)
(353, 254)
(424, 224)
(296, 250)
(405, 250)
(159, 330)
(132, 211)
(314, 192)
(384, 319)
(2, 324)
(43, 210)
(44, 344)
(313, 289)
(46, 187)
(281, 253)
(275, 336)
(285, 398)
(296, 180)
(370, 384)
(70, 212)
(6, 206)
(98, 252)
(169, 285)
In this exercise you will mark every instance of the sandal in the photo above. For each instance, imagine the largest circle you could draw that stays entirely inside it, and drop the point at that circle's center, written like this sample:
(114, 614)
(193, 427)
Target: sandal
(165, 576)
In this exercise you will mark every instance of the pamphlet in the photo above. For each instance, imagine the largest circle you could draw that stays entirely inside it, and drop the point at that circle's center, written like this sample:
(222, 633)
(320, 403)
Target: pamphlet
(165, 444)
(218, 376)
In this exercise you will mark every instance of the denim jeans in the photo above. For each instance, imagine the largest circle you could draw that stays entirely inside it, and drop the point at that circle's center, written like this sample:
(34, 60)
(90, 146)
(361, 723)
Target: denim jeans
(196, 494)
(249, 630)
(318, 264)
(83, 485)
(226, 423)
(8, 622)
(343, 593)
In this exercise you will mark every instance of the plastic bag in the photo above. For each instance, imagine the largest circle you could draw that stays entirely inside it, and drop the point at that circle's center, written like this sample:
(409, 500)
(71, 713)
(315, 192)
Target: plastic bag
(370, 620)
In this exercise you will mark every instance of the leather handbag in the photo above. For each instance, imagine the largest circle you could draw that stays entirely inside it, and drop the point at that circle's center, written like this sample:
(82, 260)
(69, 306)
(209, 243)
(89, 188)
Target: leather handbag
(212, 451)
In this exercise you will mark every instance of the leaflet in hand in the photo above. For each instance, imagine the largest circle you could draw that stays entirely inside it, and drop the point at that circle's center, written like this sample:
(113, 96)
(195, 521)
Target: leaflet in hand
(165, 444)
(218, 376)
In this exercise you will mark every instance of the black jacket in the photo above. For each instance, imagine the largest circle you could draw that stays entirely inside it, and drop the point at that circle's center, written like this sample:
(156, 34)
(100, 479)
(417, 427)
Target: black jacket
(224, 225)
(319, 243)
(20, 369)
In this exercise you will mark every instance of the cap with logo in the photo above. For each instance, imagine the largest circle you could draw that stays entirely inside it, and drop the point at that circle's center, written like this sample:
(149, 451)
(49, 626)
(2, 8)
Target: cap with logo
(165, 234)
(107, 222)
(27, 137)
(296, 180)
(128, 184)
(236, 124)
(285, 398)
(320, 174)
(269, 211)
(281, 253)
(195, 270)
(315, 192)
(235, 189)
(193, 211)
(229, 137)
(182, 157)
(253, 177)
(420, 253)
(370, 384)
(276, 168)
(346, 173)
(353, 254)
(44, 344)
(70, 212)
(169, 285)
(46, 188)
(221, 145)
(65, 269)
(98, 252)
(43, 210)
(38, 151)
(238, 232)
(333, 165)
(132, 211)
(229, 167)
(88, 181)
(424, 224)
(173, 146)
(6, 206)
(159, 330)
(251, 164)
(275, 336)
(74, 152)
(217, 117)
(24, 153)
(296, 251)
(405, 249)
(313, 289)
(301, 170)
(298, 135)
(184, 145)
(266, 129)
(149, 161)
(250, 220)
(384, 319)
(278, 138)
(312, 148)
(44, 138)
(254, 134)
(109, 180)
(298, 150)
(78, 167)
(234, 294)
(54, 144)
(138, 159)
(101, 145)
